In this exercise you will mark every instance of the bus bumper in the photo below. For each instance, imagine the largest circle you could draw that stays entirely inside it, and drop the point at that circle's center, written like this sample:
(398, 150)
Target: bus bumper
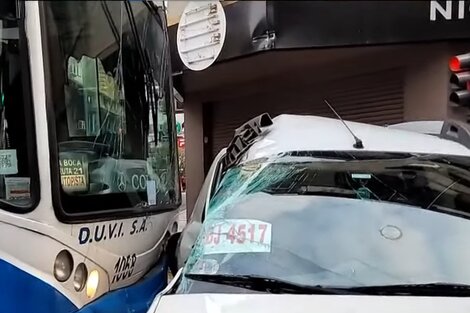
(135, 298)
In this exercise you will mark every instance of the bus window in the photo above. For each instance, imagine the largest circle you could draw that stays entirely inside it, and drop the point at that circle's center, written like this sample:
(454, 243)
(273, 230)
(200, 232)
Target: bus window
(113, 106)
(18, 160)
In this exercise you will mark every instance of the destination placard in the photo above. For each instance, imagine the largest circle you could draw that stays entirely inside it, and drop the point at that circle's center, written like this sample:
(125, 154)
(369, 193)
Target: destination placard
(73, 173)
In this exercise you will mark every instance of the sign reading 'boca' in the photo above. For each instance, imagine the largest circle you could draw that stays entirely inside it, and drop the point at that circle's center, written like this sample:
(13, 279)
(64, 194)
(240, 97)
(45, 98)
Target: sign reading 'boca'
(73, 173)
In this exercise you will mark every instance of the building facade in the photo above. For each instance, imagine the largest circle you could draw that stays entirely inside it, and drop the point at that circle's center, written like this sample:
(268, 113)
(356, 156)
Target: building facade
(376, 63)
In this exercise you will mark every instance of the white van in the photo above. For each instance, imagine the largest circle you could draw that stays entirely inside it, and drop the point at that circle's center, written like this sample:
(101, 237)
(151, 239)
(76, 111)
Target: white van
(302, 213)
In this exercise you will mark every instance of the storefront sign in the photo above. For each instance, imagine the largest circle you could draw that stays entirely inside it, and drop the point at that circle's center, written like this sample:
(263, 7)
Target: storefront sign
(449, 10)
(201, 34)
(181, 142)
(345, 23)
(254, 26)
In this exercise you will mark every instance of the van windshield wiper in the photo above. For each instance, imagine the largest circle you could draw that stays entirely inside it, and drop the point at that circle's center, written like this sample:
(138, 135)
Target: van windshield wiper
(267, 284)
(274, 285)
(428, 290)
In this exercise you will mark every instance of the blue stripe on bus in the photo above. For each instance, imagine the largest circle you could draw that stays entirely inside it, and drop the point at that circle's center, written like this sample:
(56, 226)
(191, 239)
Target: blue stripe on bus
(136, 298)
(25, 293)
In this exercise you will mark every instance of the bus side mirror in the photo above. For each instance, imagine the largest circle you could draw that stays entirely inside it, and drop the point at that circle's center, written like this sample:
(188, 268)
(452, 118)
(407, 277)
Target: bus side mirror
(9, 9)
(187, 241)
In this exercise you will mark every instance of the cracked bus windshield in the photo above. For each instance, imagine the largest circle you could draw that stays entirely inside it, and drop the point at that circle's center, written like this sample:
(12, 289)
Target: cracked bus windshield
(113, 105)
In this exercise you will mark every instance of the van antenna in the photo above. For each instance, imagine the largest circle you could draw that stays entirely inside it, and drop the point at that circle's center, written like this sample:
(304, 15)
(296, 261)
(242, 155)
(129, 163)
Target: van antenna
(358, 144)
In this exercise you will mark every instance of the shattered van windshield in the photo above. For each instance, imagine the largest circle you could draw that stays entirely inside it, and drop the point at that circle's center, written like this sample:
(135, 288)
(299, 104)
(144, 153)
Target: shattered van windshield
(113, 105)
(359, 220)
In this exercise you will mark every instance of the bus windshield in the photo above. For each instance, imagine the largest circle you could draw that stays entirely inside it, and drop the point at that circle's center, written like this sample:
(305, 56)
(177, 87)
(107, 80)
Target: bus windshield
(113, 107)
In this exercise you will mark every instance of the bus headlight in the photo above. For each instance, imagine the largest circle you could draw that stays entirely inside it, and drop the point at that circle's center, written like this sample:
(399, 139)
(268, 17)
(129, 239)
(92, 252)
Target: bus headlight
(63, 266)
(80, 277)
(92, 283)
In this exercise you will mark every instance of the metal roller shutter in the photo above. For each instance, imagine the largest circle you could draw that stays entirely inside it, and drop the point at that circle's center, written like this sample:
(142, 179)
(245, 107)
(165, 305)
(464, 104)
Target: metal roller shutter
(375, 98)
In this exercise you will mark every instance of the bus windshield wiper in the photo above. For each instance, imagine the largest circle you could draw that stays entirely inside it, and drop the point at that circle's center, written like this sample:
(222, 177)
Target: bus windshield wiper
(152, 91)
(266, 284)
(144, 57)
(429, 290)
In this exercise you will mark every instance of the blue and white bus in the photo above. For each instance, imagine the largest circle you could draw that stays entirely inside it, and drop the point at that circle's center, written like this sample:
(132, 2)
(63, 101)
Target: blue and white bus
(88, 162)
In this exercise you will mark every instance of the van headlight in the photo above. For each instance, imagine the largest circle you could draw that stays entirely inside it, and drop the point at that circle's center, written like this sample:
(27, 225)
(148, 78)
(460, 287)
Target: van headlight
(63, 266)
(80, 277)
(92, 283)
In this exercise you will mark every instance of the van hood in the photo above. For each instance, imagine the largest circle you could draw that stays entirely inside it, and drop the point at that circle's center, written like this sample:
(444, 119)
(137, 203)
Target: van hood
(268, 303)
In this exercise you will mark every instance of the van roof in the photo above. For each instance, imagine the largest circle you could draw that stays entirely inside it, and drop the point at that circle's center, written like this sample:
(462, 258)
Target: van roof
(313, 133)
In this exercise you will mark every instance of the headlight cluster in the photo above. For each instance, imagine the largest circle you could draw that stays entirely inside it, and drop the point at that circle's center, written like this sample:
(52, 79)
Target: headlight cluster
(80, 277)
(92, 283)
(63, 267)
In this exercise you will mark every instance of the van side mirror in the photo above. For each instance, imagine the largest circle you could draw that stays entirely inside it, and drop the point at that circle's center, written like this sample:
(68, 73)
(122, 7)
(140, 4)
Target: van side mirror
(187, 241)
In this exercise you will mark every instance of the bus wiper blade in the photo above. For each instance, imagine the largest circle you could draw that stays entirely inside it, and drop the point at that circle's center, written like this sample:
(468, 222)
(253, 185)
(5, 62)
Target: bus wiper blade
(266, 284)
(431, 289)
